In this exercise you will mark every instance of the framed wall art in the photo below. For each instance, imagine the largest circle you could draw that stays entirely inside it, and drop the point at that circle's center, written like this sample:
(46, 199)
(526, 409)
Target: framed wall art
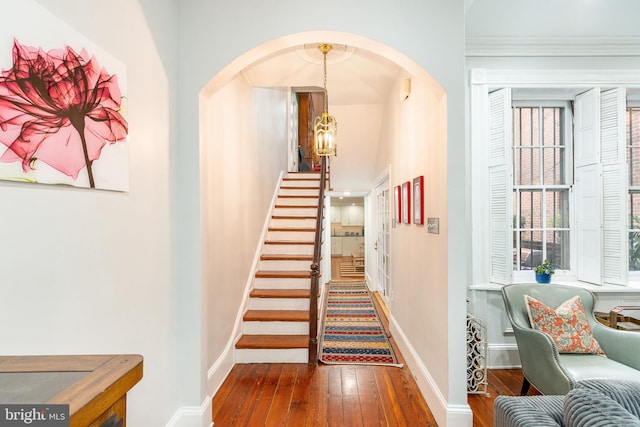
(62, 107)
(406, 202)
(397, 204)
(418, 200)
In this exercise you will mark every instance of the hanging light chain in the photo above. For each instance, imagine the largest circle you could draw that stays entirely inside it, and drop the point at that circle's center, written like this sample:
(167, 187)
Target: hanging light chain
(325, 48)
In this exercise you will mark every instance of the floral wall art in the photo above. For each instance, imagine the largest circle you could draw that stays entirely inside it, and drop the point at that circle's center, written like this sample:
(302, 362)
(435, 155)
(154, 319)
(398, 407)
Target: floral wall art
(62, 118)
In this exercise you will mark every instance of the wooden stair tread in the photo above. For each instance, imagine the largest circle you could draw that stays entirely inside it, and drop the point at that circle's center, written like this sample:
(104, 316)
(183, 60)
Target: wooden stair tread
(293, 229)
(283, 274)
(285, 257)
(276, 316)
(280, 293)
(310, 178)
(297, 187)
(288, 196)
(296, 206)
(286, 242)
(273, 341)
(294, 216)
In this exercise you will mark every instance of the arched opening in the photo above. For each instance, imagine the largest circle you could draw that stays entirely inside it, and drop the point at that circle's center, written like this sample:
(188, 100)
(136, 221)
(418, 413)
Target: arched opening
(244, 136)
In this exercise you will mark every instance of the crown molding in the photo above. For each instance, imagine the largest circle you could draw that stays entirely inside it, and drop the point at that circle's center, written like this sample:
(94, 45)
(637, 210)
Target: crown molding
(554, 78)
(552, 46)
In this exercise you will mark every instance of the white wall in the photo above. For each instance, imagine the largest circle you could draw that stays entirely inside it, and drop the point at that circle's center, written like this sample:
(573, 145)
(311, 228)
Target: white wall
(91, 271)
(415, 139)
(244, 151)
(570, 18)
(431, 38)
(358, 140)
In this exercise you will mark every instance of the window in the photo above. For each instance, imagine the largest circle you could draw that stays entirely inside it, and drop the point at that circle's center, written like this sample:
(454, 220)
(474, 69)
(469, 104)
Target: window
(558, 186)
(541, 186)
(633, 167)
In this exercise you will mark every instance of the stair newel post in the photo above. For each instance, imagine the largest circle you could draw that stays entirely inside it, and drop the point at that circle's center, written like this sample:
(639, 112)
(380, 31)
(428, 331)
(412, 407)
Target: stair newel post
(315, 269)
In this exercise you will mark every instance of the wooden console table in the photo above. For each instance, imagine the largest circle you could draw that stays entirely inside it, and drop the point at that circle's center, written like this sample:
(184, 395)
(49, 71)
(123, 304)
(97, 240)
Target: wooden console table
(95, 386)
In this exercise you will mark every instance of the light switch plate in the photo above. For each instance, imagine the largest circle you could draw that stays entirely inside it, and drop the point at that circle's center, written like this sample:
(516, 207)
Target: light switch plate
(433, 225)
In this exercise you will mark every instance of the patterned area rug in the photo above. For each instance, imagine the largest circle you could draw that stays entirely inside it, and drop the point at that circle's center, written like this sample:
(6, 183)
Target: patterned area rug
(352, 332)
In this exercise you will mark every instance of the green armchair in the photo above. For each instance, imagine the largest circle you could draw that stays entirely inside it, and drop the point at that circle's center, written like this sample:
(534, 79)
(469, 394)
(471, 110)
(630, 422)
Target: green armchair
(556, 373)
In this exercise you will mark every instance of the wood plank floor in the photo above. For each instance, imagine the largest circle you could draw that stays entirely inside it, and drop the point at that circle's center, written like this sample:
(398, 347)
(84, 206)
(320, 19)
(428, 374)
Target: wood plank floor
(506, 382)
(335, 270)
(340, 395)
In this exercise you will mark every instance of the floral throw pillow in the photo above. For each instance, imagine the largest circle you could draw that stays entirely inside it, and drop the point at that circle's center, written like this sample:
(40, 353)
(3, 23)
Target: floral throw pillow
(567, 325)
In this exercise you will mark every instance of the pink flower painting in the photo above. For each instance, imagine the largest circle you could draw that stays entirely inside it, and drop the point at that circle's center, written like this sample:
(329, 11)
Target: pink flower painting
(60, 108)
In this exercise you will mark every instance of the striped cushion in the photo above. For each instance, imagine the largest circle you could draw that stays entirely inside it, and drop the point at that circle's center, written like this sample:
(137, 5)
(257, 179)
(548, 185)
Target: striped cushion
(625, 392)
(591, 408)
(528, 411)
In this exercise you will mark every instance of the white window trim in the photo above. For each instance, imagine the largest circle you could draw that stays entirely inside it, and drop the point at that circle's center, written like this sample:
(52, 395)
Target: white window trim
(520, 276)
(634, 276)
(481, 82)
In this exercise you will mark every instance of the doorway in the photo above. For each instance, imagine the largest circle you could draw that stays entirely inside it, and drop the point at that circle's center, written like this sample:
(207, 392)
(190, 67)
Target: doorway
(383, 237)
(347, 238)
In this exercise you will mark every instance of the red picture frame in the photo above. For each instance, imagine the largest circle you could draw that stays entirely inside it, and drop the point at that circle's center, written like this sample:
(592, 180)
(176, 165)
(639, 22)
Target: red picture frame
(418, 200)
(397, 204)
(406, 202)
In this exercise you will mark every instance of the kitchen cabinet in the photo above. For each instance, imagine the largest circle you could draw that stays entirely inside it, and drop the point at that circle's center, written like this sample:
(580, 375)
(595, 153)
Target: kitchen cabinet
(351, 245)
(336, 245)
(352, 215)
(336, 213)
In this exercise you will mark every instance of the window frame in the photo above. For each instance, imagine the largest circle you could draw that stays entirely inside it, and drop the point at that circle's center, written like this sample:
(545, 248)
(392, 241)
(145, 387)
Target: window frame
(567, 138)
(565, 84)
(634, 275)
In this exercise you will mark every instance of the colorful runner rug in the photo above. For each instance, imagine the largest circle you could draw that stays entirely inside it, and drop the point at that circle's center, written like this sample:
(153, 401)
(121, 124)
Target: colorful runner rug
(352, 332)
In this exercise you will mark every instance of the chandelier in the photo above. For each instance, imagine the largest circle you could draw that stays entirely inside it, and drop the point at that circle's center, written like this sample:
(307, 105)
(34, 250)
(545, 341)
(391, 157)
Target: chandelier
(325, 126)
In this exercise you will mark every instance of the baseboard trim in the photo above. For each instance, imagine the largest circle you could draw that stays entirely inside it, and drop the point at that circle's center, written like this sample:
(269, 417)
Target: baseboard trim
(445, 414)
(193, 416)
(503, 356)
(220, 369)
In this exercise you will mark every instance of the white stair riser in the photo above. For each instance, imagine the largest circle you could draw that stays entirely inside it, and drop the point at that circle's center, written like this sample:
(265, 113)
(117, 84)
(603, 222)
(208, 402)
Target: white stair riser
(304, 175)
(297, 236)
(302, 183)
(275, 328)
(282, 265)
(278, 304)
(295, 355)
(303, 191)
(299, 223)
(297, 202)
(296, 211)
(288, 249)
(277, 283)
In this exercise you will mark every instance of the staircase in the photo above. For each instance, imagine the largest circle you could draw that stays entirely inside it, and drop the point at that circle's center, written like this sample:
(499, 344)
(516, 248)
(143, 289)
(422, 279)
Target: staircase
(275, 327)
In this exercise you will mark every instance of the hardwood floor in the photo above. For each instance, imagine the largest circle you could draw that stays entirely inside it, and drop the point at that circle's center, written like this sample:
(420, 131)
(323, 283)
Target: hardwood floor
(340, 395)
(506, 382)
(335, 270)
(325, 395)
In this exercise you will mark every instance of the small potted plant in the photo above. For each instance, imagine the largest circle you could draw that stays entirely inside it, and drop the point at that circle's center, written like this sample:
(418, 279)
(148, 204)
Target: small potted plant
(544, 272)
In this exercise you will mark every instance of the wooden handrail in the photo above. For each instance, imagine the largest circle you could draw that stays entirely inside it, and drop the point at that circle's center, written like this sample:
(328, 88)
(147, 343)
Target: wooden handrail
(315, 270)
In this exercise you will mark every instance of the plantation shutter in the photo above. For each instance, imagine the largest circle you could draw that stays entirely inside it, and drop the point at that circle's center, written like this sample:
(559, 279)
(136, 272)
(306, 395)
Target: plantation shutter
(500, 185)
(587, 186)
(614, 186)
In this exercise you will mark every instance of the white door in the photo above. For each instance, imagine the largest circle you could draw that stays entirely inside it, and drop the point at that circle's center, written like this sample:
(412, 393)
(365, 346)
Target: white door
(383, 230)
(293, 132)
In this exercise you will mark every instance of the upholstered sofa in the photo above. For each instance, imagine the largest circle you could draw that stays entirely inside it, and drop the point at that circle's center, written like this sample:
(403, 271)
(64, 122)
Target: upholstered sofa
(592, 403)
